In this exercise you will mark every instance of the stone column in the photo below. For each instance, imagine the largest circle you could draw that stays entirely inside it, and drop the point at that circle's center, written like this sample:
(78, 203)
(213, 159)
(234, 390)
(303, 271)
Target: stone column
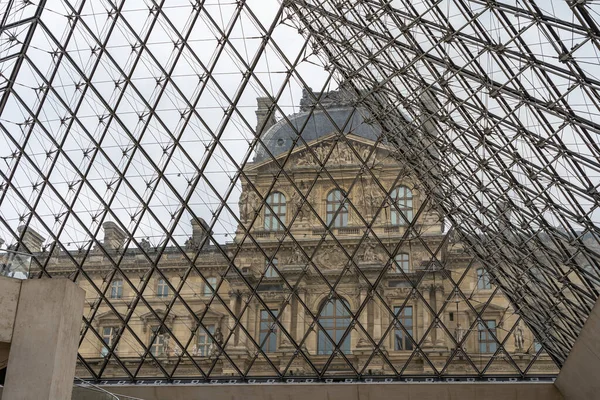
(426, 315)
(231, 323)
(439, 303)
(245, 321)
(300, 328)
(376, 320)
(363, 318)
(286, 322)
(43, 351)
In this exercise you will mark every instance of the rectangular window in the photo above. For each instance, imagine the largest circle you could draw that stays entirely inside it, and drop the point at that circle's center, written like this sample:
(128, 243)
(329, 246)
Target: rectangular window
(204, 340)
(268, 331)
(404, 328)
(270, 271)
(162, 289)
(483, 279)
(402, 263)
(210, 286)
(116, 289)
(487, 343)
(109, 334)
(158, 344)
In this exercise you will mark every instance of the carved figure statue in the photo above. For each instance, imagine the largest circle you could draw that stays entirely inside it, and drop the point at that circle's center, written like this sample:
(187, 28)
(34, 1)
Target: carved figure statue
(177, 350)
(244, 208)
(519, 339)
(194, 350)
(298, 203)
(145, 244)
(218, 335)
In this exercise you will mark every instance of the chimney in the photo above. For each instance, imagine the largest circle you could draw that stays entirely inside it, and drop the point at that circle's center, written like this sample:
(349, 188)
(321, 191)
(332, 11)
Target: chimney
(199, 233)
(31, 240)
(114, 237)
(264, 115)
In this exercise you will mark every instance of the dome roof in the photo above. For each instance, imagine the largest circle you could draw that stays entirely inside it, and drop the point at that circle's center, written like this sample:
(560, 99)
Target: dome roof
(279, 138)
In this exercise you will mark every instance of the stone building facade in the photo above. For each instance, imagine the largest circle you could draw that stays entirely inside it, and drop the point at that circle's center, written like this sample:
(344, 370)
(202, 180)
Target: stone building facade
(245, 307)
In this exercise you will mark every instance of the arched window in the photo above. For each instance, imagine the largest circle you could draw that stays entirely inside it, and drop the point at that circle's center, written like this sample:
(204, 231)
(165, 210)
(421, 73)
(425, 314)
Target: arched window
(335, 319)
(335, 202)
(402, 212)
(277, 209)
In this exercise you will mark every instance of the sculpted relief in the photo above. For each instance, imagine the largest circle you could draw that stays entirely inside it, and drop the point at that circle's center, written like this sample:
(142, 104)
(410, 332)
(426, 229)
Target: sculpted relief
(341, 154)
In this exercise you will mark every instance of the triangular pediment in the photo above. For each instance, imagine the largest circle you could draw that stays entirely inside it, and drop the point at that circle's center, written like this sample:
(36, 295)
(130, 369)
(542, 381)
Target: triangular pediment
(302, 157)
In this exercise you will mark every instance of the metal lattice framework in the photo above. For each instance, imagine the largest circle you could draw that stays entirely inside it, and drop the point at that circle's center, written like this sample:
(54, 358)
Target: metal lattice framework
(318, 246)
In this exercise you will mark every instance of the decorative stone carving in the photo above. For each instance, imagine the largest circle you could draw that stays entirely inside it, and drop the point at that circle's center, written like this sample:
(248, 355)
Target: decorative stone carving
(296, 257)
(330, 258)
(298, 203)
(249, 203)
(370, 253)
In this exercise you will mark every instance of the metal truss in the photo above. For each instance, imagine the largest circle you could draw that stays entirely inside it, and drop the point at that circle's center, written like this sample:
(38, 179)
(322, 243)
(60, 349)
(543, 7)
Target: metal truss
(122, 121)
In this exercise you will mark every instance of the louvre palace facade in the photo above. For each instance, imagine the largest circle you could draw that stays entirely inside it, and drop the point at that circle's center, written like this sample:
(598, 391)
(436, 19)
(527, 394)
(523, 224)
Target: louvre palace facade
(292, 292)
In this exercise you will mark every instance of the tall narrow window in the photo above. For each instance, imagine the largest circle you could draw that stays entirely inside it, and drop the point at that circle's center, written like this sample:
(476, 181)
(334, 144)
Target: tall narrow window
(402, 212)
(334, 320)
(270, 271)
(487, 343)
(162, 289)
(337, 204)
(268, 331)
(204, 340)
(116, 289)
(209, 286)
(401, 263)
(402, 336)
(483, 279)
(158, 344)
(277, 209)
(109, 335)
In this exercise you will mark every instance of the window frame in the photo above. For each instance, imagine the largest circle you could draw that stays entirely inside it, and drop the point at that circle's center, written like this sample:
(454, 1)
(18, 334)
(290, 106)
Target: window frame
(399, 264)
(162, 288)
(332, 205)
(116, 288)
(483, 279)
(485, 338)
(266, 323)
(270, 271)
(335, 331)
(404, 205)
(107, 344)
(209, 286)
(407, 321)
(204, 341)
(159, 341)
(277, 208)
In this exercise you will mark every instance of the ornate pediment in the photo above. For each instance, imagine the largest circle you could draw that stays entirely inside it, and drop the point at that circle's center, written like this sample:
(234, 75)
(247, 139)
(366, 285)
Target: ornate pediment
(347, 153)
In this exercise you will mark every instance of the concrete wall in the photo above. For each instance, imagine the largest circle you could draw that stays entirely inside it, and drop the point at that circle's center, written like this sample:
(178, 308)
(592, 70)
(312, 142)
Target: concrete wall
(9, 298)
(399, 391)
(578, 378)
(43, 351)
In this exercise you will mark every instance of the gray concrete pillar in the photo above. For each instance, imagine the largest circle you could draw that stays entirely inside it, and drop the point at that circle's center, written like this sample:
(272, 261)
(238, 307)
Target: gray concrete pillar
(43, 352)
(578, 377)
